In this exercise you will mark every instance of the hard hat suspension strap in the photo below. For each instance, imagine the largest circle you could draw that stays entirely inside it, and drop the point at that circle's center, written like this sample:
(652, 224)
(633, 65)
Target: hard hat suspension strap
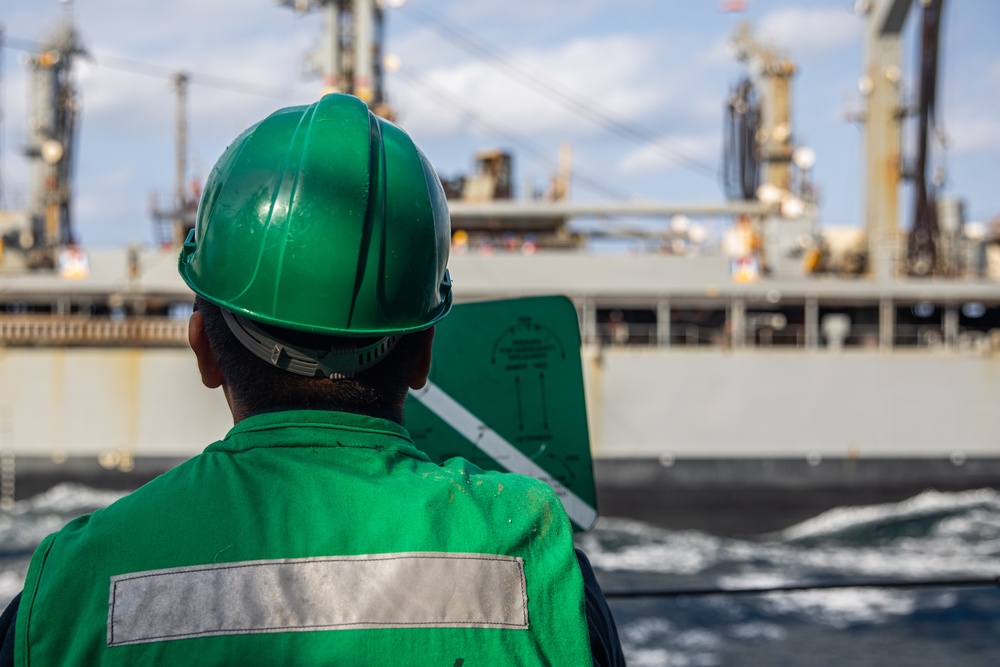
(339, 363)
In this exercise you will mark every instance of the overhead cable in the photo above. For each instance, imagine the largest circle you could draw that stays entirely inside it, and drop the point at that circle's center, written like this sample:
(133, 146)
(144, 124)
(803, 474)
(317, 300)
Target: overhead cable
(455, 104)
(558, 93)
(161, 71)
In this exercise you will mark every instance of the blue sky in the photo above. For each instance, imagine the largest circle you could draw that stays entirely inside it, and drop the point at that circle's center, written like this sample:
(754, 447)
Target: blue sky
(661, 65)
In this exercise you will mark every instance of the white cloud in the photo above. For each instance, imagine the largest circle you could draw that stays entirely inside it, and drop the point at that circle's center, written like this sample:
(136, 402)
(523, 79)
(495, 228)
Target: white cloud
(971, 134)
(719, 53)
(532, 11)
(994, 75)
(665, 155)
(261, 45)
(610, 71)
(118, 180)
(817, 30)
(110, 199)
(661, 65)
(14, 98)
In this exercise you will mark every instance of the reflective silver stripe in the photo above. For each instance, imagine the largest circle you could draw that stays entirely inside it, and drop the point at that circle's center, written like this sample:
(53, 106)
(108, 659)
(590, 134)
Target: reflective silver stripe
(501, 451)
(426, 589)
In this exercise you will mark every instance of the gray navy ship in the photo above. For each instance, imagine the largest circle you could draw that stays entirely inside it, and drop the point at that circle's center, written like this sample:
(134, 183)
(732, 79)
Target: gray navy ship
(737, 389)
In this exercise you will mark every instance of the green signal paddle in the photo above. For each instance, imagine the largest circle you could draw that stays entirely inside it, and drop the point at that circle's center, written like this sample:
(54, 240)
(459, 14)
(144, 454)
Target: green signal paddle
(506, 392)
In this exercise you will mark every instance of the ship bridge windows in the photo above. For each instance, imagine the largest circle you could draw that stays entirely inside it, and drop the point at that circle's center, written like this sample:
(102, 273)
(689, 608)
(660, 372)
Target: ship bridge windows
(794, 323)
(977, 315)
(978, 325)
(18, 308)
(966, 325)
(782, 326)
(849, 326)
(698, 325)
(919, 325)
(626, 326)
(180, 311)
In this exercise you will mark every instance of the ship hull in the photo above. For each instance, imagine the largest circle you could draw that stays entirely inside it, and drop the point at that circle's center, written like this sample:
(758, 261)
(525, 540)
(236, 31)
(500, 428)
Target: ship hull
(732, 442)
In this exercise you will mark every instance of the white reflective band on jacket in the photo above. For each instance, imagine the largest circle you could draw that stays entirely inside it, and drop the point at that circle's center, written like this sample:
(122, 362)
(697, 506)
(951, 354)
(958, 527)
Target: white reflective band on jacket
(445, 590)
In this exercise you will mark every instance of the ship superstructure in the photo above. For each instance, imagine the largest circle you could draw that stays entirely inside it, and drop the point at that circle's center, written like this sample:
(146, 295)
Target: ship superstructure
(790, 361)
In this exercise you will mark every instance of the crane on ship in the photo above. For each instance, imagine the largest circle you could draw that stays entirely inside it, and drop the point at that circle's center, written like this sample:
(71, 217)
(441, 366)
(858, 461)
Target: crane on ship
(348, 60)
(34, 237)
(884, 166)
(759, 151)
(350, 57)
(758, 133)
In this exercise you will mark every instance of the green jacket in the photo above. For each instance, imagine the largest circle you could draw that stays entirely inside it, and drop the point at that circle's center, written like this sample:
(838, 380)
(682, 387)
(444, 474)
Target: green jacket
(311, 537)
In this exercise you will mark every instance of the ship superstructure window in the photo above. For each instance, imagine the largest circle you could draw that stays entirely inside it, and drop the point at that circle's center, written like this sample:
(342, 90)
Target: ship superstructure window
(626, 326)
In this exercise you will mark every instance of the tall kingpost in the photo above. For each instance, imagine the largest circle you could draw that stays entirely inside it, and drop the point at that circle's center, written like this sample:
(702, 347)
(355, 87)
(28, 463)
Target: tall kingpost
(333, 60)
(349, 59)
(378, 57)
(331, 57)
(53, 117)
(180, 154)
(777, 148)
(364, 50)
(773, 72)
(41, 129)
(880, 85)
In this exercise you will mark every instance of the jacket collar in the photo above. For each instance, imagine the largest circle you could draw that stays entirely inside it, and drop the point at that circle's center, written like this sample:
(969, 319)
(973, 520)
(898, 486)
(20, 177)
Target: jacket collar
(314, 427)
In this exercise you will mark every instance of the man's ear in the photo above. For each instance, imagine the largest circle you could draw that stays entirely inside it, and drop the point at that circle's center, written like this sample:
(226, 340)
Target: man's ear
(423, 366)
(211, 376)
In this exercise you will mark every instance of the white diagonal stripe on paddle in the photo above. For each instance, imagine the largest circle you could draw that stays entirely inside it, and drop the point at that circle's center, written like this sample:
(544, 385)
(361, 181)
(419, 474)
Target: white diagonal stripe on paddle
(504, 453)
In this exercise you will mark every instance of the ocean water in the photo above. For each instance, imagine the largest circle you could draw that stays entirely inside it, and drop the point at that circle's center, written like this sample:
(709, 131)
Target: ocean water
(934, 536)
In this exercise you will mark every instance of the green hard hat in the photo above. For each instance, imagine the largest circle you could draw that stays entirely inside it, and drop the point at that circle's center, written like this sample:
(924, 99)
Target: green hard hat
(325, 219)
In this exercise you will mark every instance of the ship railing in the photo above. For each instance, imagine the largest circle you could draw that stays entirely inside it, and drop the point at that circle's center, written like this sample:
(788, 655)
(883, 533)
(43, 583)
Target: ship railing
(71, 330)
(30, 329)
(858, 337)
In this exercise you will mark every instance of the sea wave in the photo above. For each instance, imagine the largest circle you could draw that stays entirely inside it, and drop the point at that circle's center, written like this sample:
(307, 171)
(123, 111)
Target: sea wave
(68, 498)
(927, 513)
(931, 535)
(30, 520)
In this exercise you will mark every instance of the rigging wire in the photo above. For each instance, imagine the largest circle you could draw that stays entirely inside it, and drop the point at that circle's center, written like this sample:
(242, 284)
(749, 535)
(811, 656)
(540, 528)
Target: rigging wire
(480, 48)
(922, 246)
(741, 157)
(234, 85)
(453, 102)
(702, 592)
(160, 71)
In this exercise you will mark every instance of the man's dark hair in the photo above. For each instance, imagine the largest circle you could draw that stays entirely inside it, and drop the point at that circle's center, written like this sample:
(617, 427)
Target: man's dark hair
(258, 386)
